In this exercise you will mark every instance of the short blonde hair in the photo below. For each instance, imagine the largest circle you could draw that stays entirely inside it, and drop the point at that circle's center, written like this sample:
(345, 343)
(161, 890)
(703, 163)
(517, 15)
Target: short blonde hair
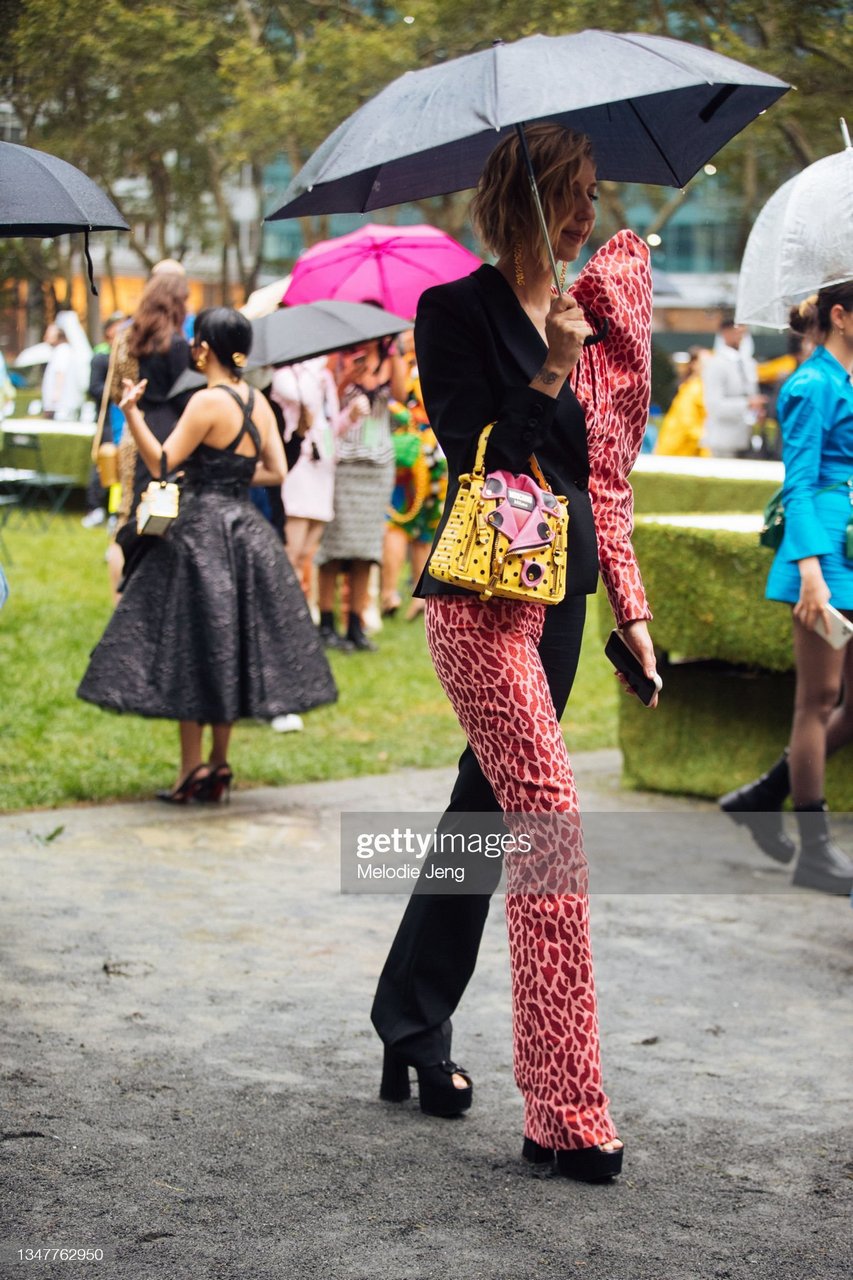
(503, 211)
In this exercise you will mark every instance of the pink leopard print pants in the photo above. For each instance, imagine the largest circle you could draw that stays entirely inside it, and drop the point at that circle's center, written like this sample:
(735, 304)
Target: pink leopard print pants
(486, 658)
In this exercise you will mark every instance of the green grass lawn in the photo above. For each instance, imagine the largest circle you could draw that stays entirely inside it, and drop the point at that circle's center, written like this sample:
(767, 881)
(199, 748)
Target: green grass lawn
(56, 750)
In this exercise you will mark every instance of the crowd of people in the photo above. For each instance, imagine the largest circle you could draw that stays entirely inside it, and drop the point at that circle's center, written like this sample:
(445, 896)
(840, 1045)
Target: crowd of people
(356, 460)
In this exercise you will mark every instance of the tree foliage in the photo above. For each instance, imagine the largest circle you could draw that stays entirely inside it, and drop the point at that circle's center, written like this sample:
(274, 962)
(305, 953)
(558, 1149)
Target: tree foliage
(163, 104)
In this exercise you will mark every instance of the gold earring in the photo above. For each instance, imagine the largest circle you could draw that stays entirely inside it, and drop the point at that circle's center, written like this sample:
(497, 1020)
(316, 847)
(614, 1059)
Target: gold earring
(563, 272)
(201, 359)
(519, 266)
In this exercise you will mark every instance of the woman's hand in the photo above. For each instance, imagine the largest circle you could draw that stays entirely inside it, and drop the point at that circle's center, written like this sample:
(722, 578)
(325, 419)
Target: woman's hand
(636, 636)
(132, 393)
(814, 594)
(565, 330)
(359, 408)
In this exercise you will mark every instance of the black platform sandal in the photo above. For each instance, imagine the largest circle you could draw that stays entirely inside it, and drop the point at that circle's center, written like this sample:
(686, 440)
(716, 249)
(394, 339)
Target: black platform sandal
(437, 1094)
(586, 1164)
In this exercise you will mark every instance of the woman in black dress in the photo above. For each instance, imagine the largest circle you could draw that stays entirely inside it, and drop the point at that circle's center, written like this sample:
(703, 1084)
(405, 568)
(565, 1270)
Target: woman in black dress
(213, 625)
(152, 349)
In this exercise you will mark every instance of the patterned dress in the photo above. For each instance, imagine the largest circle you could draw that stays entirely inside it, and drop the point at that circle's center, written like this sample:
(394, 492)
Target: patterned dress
(213, 625)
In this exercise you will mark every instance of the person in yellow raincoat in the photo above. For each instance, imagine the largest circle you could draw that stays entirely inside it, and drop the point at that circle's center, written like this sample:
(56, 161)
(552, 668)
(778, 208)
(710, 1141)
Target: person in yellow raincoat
(683, 424)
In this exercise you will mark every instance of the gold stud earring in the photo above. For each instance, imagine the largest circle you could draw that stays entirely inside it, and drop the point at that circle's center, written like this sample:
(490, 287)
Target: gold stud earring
(519, 265)
(201, 359)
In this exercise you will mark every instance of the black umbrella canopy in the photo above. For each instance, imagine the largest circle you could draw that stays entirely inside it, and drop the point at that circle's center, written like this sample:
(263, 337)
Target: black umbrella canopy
(41, 195)
(656, 110)
(311, 329)
(316, 328)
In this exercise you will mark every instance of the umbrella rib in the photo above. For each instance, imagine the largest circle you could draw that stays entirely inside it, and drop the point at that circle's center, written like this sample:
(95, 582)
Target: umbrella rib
(676, 180)
(420, 263)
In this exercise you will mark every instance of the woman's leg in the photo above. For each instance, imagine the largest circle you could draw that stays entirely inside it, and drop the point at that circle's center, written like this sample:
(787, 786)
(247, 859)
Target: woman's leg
(839, 730)
(297, 534)
(434, 953)
(394, 547)
(359, 577)
(487, 661)
(310, 549)
(190, 733)
(221, 739)
(327, 580)
(419, 553)
(822, 865)
(359, 586)
(819, 670)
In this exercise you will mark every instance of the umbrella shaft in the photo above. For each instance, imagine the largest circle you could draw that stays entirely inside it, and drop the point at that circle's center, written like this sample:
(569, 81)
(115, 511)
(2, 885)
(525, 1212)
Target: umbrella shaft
(519, 128)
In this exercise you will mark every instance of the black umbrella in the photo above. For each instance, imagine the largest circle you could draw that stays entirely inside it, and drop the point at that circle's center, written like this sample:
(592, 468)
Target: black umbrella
(311, 329)
(656, 110)
(41, 195)
(316, 328)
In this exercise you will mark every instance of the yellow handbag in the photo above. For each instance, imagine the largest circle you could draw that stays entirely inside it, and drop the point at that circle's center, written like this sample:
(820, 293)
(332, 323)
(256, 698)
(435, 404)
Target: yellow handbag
(158, 506)
(506, 535)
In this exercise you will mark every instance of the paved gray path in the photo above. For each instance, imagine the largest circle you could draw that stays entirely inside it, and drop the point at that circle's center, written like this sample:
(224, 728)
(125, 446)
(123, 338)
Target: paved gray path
(190, 1078)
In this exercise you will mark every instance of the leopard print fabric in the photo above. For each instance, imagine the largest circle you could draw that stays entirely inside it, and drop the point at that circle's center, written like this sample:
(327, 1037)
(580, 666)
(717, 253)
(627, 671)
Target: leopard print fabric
(612, 382)
(486, 658)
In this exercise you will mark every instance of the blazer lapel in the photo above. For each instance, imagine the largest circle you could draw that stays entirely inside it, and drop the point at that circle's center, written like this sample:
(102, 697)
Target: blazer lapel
(507, 319)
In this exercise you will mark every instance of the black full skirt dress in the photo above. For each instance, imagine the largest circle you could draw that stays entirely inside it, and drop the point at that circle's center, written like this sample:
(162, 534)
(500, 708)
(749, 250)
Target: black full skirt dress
(213, 625)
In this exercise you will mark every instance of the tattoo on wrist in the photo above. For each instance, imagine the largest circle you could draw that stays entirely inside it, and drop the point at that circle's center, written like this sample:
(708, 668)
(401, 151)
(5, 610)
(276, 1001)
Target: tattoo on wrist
(547, 377)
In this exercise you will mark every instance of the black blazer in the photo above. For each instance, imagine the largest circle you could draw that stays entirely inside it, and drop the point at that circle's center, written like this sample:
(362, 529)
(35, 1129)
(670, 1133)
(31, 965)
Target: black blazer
(477, 351)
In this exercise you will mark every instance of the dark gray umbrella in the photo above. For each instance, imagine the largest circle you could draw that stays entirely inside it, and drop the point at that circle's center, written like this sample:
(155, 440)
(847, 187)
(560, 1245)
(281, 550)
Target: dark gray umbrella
(41, 195)
(316, 328)
(656, 110)
(311, 329)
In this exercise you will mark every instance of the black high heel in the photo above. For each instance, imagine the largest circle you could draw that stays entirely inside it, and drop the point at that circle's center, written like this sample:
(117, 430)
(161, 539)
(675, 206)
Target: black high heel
(437, 1094)
(189, 789)
(216, 785)
(585, 1164)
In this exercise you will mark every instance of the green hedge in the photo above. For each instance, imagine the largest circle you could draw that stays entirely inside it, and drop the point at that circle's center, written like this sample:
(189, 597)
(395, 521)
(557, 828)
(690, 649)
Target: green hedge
(668, 494)
(706, 588)
(61, 455)
(716, 727)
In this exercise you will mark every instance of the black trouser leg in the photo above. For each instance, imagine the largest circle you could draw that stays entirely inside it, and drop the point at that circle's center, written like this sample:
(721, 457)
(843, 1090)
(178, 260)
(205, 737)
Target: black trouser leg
(96, 494)
(434, 953)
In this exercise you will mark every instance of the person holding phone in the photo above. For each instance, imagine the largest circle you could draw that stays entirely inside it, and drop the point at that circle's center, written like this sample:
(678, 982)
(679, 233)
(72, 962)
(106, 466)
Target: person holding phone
(502, 346)
(813, 565)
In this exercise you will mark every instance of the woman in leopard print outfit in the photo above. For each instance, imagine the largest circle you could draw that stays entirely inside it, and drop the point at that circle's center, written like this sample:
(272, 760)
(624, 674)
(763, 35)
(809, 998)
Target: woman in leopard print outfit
(501, 346)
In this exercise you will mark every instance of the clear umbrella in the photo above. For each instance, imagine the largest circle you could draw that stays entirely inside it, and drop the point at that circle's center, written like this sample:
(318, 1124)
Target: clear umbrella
(801, 241)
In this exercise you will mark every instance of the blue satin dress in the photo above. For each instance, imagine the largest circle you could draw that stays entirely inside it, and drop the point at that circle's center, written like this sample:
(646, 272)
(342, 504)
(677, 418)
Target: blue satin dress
(815, 410)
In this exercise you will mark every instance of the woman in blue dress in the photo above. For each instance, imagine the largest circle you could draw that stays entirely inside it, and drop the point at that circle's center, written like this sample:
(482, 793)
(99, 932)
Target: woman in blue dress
(813, 567)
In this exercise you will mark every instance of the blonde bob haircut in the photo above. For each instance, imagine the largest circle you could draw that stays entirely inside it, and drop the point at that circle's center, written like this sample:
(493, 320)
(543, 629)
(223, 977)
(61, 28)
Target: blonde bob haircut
(503, 212)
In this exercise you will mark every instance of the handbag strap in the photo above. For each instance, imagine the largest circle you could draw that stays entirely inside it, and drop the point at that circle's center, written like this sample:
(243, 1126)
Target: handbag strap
(98, 438)
(480, 460)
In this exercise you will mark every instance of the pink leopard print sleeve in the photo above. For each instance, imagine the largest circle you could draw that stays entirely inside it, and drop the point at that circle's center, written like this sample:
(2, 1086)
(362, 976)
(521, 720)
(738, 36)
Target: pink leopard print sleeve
(613, 385)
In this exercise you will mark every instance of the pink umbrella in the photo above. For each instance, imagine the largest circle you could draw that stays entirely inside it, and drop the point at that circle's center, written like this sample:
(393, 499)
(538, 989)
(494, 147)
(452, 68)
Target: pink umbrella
(388, 265)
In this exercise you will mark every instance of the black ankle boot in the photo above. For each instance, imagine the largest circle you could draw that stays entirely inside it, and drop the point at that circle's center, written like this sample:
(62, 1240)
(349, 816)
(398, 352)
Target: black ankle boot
(757, 806)
(821, 864)
(356, 636)
(329, 637)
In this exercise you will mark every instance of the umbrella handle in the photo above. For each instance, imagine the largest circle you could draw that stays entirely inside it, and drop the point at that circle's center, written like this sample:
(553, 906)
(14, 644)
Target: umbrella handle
(528, 164)
(600, 333)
